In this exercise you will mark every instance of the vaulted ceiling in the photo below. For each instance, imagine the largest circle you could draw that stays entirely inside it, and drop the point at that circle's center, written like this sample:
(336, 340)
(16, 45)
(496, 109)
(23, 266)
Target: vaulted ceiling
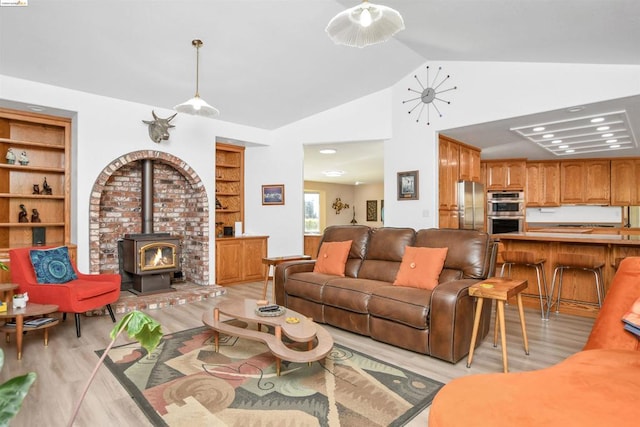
(267, 63)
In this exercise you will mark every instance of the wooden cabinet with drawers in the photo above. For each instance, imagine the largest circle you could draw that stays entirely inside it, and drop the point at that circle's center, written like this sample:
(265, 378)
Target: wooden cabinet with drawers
(625, 178)
(239, 259)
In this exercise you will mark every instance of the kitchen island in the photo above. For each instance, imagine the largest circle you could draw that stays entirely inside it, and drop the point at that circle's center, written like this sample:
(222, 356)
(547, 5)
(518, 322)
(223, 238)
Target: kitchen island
(578, 289)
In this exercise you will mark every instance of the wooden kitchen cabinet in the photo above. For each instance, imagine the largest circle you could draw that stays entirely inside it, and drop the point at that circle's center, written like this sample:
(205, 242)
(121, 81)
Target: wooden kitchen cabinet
(586, 182)
(543, 184)
(625, 177)
(469, 164)
(506, 174)
(239, 259)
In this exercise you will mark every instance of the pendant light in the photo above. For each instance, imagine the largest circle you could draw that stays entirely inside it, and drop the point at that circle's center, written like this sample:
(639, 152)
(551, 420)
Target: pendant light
(364, 25)
(196, 105)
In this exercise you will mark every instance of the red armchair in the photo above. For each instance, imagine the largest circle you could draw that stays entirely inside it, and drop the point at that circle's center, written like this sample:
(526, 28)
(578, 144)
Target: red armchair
(87, 292)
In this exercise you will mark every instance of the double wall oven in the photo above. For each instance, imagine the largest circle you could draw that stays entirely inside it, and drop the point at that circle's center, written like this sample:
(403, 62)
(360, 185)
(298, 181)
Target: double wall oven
(505, 212)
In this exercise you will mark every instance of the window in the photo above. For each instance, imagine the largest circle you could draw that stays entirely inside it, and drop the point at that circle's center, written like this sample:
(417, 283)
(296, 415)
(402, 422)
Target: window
(311, 212)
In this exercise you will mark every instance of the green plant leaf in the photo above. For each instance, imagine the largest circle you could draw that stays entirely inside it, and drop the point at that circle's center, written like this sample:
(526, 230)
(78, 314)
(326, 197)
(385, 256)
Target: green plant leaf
(12, 393)
(140, 326)
(4, 266)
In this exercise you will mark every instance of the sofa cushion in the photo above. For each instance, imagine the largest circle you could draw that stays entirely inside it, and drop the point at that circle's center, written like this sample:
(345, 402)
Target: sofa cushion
(332, 258)
(307, 285)
(421, 267)
(359, 235)
(384, 253)
(469, 251)
(52, 266)
(409, 306)
(350, 294)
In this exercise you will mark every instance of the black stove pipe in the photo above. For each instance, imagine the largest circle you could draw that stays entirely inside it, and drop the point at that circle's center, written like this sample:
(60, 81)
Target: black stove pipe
(147, 196)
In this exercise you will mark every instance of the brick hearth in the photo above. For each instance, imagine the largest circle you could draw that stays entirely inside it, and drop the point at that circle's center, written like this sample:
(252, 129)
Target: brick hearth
(180, 207)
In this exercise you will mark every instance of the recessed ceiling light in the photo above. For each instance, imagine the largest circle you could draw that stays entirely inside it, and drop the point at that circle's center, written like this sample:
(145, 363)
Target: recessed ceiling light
(36, 108)
(575, 109)
(601, 128)
(563, 146)
(611, 141)
(597, 120)
(547, 135)
(570, 151)
(607, 135)
(328, 151)
(556, 141)
(539, 129)
(615, 146)
(333, 173)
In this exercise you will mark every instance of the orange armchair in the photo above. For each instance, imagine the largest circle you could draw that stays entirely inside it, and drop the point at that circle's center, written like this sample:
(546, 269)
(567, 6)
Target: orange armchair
(87, 292)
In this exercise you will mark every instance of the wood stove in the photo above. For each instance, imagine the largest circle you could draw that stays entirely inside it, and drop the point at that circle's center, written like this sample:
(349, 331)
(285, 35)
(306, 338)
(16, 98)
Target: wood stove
(150, 257)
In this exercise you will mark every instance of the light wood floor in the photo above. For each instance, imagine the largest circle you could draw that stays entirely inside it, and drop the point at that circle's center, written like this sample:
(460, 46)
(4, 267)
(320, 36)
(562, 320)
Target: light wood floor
(64, 365)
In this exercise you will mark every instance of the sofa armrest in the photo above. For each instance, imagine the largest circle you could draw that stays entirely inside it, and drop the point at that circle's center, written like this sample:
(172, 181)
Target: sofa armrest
(282, 272)
(451, 320)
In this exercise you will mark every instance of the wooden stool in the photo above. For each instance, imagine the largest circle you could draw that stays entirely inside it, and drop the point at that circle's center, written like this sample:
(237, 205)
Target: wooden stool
(529, 259)
(499, 289)
(273, 262)
(566, 261)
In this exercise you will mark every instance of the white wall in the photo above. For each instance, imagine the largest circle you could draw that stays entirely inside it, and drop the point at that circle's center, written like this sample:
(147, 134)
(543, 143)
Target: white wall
(107, 128)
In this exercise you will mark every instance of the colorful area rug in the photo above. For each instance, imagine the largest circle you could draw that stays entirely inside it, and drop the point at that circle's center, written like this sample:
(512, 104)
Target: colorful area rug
(186, 383)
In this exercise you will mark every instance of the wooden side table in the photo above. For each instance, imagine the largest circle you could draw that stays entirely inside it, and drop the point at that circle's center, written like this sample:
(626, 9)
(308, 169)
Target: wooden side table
(273, 262)
(499, 289)
(7, 291)
(31, 310)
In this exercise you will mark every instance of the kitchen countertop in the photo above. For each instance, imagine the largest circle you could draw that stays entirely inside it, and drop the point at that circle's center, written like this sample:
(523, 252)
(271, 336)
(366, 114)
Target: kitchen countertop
(606, 239)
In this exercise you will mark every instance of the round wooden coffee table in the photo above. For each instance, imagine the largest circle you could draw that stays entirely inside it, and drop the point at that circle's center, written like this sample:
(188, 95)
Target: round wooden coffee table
(303, 331)
(31, 310)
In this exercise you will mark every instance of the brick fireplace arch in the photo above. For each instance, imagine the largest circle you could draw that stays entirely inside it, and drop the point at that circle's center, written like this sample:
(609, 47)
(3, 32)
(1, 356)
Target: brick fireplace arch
(180, 207)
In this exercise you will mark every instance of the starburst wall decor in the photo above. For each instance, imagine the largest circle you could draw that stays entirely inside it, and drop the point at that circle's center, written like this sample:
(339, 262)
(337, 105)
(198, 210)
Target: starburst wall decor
(428, 96)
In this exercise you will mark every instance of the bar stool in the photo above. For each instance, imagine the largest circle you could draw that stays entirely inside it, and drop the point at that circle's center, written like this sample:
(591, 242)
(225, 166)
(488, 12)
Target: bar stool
(529, 259)
(566, 261)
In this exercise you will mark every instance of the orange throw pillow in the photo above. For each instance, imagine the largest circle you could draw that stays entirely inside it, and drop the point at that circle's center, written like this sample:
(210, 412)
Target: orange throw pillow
(421, 267)
(332, 258)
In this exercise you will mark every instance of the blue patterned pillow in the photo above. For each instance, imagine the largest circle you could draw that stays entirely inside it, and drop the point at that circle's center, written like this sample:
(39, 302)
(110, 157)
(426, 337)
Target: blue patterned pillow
(52, 265)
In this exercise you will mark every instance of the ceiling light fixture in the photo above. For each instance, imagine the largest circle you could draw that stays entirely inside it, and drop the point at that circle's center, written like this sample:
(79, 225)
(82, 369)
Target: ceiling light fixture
(364, 25)
(615, 146)
(606, 135)
(548, 135)
(197, 106)
(539, 129)
(570, 151)
(611, 141)
(601, 128)
(328, 151)
(556, 141)
(597, 120)
(333, 173)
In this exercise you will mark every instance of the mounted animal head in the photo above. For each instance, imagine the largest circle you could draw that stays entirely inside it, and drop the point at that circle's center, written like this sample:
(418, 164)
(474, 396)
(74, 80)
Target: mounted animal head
(159, 128)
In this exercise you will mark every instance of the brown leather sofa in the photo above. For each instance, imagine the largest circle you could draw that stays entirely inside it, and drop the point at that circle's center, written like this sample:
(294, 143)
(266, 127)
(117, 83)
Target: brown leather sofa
(437, 323)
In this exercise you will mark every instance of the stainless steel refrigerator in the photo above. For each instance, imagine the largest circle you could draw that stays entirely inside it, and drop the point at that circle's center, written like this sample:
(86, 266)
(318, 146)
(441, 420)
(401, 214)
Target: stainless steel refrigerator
(471, 205)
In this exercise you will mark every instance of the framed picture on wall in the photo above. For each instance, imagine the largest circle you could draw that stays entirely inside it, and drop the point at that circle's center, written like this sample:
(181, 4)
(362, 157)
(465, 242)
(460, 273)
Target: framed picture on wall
(372, 210)
(273, 194)
(408, 185)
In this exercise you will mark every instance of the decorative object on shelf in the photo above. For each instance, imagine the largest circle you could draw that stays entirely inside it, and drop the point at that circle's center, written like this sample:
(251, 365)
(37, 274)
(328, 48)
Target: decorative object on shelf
(35, 215)
(382, 211)
(353, 219)
(219, 229)
(10, 157)
(20, 300)
(408, 185)
(372, 210)
(36, 189)
(46, 189)
(218, 204)
(23, 160)
(338, 206)
(196, 105)
(273, 194)
(23, 216)
(429, 95)
(159, 127)
(364, 25)
(38, 236)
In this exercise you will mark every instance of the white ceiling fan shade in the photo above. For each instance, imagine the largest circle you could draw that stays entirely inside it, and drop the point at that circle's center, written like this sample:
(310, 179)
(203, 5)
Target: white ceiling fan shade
(197, 106)
(350, 28)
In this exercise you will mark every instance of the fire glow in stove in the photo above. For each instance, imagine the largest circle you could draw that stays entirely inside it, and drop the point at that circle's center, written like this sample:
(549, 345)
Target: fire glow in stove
(150, 257)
